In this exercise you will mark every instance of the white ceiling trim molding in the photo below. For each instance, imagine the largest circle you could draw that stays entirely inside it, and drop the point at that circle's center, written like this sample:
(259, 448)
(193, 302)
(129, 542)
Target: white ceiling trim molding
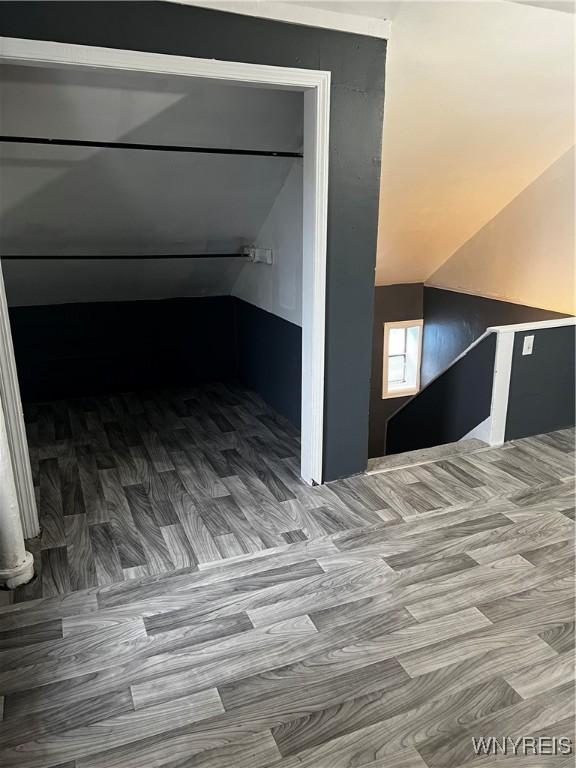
(299, 14)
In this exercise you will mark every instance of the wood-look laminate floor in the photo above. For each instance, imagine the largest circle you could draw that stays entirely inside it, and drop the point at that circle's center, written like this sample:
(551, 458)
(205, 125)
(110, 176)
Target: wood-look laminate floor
(388, 620)
(139, 484)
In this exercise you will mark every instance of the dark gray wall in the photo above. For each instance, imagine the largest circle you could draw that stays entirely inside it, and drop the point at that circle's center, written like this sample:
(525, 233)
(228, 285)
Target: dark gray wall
(75, 350)
(357, 106)
(269, 358)
(79, 350)
(454, 320)
(451, 406)
(541, 397)
(392, 303)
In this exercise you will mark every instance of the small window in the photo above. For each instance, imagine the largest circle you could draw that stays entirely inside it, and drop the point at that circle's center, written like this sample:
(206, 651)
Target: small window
(401, 368)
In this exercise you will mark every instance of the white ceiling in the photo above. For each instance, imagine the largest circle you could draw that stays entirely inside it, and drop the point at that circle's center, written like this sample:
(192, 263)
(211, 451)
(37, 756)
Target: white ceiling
(62, 200)
(567, 6)
(479, 103)
(480, 100)
(385, 9)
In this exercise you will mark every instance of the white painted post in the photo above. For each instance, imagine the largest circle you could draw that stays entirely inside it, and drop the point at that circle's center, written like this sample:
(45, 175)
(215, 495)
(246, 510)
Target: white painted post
(501, 384)
(16, 564)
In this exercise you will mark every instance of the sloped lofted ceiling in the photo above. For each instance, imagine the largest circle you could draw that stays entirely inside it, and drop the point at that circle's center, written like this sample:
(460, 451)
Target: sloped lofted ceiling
(479, 103)
(110, 202)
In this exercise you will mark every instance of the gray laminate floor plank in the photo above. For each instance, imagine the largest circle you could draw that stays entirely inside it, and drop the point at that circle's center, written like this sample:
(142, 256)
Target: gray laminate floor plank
(156, 551)
(114, 731)
(198, 605)
(37, 633)
(106, 556)
(543, 676)
(522, 717)
(388, 735)
(81, 562)
(560, 637)
(24, 728)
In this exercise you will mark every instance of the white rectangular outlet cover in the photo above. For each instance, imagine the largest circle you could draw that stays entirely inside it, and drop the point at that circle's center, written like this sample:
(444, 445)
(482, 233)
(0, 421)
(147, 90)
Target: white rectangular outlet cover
(528, 345)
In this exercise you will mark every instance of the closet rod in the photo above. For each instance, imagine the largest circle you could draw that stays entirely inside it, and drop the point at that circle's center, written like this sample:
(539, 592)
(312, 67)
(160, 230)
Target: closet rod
(67, 257)
(146, 147)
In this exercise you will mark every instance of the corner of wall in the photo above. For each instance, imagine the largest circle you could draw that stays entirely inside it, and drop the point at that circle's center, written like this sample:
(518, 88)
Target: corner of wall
(277, 288)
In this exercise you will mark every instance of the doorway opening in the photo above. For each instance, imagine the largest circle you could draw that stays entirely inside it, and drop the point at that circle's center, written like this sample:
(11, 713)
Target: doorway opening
(164, 271)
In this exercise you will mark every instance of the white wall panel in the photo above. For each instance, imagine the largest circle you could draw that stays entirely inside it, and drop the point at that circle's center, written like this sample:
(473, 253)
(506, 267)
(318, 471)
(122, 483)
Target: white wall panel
(277, 288)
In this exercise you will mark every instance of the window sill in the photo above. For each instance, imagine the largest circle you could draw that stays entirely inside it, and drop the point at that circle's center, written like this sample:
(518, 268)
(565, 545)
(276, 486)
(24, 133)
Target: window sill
(400, 393)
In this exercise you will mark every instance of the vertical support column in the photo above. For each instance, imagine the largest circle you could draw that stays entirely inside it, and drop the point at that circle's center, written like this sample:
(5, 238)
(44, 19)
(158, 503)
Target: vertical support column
(17, 442)
(16, 564)
(501, 386)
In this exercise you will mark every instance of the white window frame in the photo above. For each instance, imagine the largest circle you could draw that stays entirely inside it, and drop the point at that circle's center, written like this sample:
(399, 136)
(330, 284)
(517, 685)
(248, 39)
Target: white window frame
(315, 85)
(404, 392)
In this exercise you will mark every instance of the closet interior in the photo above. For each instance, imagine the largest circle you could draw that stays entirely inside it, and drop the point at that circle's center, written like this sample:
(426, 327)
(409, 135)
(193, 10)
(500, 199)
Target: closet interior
(151, 249)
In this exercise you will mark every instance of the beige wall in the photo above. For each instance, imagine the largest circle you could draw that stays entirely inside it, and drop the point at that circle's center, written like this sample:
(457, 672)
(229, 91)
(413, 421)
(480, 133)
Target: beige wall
(479, 102)
(526, 253)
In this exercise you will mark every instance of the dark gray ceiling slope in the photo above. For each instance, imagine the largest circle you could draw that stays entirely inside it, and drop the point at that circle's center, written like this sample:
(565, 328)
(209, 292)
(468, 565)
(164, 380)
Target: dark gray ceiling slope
(106, 105)
(62, 200)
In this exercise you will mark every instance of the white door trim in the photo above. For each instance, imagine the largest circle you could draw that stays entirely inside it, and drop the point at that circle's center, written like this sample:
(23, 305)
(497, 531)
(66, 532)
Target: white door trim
(316, 87)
